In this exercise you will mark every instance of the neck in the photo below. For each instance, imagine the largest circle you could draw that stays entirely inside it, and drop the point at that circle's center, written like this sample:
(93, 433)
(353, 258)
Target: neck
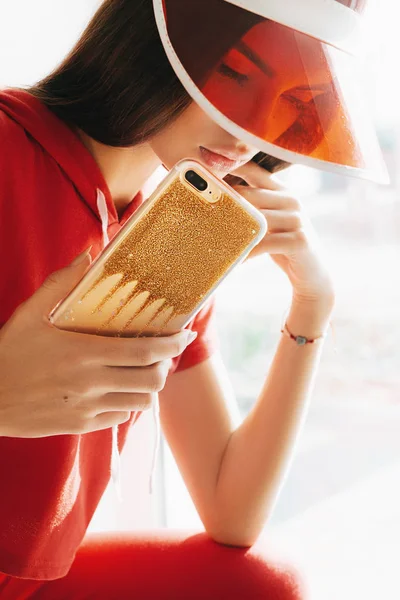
(125, 170)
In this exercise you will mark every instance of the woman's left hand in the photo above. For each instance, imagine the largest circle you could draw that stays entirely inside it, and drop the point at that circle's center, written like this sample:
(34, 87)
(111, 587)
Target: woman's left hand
(291, 240)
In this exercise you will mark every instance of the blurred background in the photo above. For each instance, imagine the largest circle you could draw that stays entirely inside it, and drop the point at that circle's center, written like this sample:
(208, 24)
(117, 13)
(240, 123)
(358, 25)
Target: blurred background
(338, 515)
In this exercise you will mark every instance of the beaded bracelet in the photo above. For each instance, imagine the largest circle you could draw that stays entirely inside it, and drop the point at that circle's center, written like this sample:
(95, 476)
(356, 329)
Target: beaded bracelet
(299, 339)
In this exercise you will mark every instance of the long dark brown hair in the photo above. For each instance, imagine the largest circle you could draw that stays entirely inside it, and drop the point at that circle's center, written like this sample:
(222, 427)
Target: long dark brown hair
(117, 84)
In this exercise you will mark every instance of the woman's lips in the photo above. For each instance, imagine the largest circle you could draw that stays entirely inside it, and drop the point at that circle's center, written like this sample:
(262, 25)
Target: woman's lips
(218, 161)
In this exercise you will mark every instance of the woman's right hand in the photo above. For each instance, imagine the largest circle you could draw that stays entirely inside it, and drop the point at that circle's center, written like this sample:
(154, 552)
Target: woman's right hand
(56, 382)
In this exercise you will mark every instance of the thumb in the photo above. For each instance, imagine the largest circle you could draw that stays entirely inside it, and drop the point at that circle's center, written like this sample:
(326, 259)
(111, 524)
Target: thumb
(58, 285)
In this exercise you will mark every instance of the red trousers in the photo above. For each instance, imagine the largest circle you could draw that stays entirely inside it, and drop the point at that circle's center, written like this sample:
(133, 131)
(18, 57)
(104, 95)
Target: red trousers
(161, 565)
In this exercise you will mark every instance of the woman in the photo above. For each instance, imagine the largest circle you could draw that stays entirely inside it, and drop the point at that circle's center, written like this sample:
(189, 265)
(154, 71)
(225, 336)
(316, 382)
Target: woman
(77, 149)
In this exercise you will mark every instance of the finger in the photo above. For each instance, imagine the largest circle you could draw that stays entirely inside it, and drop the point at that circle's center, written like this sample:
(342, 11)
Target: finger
(256, 176)
(132, 379)
(108, 419)
(261, 198)
(124, 352)
(281, 220)
(122, 401)
(284, 243)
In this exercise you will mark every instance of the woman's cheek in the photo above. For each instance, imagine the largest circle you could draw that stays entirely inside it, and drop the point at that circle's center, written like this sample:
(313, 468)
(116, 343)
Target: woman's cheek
(229, 97)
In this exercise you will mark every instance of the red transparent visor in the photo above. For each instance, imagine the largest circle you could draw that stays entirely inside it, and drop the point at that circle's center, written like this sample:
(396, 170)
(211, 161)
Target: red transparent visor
(281, 86)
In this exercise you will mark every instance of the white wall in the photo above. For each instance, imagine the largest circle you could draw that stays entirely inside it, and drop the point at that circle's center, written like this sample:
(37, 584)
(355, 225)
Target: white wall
(36, 34)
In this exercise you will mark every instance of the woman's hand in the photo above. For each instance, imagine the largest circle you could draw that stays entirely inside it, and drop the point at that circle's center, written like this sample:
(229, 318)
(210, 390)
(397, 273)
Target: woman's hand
(59, 382)
(291, 240)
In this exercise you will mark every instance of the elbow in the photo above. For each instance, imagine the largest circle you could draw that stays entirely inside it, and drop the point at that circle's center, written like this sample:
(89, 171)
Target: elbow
(234, 528)
(232, 541)
(231, 537)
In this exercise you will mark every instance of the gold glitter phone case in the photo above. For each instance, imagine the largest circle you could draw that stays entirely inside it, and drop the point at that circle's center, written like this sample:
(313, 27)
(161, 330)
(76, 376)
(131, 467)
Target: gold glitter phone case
(167, 260)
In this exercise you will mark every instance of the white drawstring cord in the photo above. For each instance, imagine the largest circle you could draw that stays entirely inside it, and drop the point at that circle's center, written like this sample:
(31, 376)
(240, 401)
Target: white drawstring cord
(115, 457)
(156, 416)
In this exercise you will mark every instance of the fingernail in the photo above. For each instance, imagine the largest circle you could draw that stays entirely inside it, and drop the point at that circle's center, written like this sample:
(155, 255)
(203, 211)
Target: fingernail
(79, 259)
(191, 337)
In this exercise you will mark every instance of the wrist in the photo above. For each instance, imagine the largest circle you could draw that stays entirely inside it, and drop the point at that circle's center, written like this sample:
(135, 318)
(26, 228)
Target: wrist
(322, 303)
(309, 319)
(323, 299)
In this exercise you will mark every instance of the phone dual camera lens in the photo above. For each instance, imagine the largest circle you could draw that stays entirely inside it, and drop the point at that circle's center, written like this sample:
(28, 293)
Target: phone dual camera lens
(198, 182)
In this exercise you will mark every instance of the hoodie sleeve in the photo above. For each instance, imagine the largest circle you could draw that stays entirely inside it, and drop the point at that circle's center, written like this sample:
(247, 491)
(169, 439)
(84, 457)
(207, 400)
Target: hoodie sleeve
(207, 341)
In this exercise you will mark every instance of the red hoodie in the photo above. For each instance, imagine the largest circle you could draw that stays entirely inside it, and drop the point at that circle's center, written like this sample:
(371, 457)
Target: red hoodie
(49, 186)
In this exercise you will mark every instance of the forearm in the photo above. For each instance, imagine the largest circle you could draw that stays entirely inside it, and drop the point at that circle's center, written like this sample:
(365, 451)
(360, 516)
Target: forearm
(257, 455)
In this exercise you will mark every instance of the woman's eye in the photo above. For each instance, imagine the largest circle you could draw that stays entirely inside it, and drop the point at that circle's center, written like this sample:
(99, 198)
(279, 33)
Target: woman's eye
(223, 69)
(303, 97)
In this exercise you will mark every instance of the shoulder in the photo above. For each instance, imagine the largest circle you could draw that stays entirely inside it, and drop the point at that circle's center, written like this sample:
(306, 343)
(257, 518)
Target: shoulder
(16, 145)
(18, 173)
(10, 130)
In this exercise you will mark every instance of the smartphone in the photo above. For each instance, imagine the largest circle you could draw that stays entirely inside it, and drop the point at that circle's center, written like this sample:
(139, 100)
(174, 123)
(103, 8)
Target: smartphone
(167, 260)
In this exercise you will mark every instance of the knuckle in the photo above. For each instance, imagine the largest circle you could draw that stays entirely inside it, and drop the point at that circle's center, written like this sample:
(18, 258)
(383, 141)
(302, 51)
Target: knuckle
(82, 426)
(294, 204)
(157, 378)
(297, 220)
(83, 387)
(144, 355)
(50, 281)
(144, 403)
(87, 425)
(301, 239)
(178, 346)
(124, 416)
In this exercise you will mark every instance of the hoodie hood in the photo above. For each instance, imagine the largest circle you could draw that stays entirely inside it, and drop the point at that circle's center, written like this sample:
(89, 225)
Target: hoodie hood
(71, 155)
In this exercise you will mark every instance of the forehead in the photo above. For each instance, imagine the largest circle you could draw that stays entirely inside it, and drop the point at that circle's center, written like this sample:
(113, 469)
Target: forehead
(274, 42)
(292, 57)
